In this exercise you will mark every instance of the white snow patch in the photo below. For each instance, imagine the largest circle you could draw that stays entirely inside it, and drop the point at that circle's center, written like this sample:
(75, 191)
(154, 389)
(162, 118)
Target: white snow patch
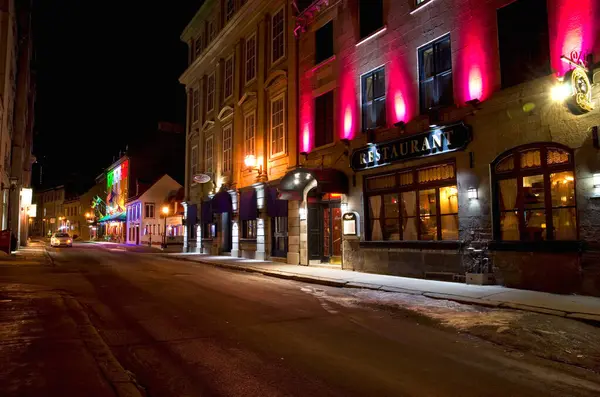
(449, 313)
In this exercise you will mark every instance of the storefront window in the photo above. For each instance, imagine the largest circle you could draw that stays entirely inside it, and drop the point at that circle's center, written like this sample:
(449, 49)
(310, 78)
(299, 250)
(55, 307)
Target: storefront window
(415, 204)
(249, 229)
(535, 194)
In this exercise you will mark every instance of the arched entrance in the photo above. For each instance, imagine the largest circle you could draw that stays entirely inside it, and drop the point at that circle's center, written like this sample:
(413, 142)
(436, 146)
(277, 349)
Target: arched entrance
(324, 227)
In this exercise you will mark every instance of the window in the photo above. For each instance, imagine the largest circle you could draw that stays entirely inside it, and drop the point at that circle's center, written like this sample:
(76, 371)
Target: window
(194, 160)
(324, 42)
(435, 74)
(148, 210)
(227, 147)
(370, 14)
(229, 9)
(211, 31)
(524, 41)
(534, 192)
(249, 125)
(228, 79)
(324, 119)
(277, 36)
(249, 229)
(198, 46)
(413, 204)
(373, 99)
(251, 58)
(210, 92)
(208, 155)
(195, 105)
(277, 126)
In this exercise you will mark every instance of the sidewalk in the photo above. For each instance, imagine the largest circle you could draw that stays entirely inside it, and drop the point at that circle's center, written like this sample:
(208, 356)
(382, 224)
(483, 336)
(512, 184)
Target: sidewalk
(571, 306)
(50, 347)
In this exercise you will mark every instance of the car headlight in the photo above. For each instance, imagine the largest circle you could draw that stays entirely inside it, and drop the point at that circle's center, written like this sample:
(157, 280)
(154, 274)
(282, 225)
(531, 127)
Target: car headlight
(68, 241)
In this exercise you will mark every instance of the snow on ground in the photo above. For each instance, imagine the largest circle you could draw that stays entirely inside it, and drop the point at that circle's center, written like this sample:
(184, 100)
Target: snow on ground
(551, 337)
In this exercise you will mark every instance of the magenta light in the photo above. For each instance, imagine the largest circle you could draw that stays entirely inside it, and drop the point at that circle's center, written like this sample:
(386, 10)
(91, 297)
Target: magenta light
(401, 96)
(306, 138)
(475, 61)
(399, 107)
(475, 83)
(572, 29)
(348, 100)
(348, 123)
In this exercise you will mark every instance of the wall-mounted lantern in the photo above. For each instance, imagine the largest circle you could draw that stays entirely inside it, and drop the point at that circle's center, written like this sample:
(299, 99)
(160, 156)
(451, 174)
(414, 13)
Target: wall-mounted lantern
(472, 193)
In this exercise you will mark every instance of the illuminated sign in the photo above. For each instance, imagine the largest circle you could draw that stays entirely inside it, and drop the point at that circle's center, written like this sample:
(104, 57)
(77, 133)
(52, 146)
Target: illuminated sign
(580, 100)
(32, 210)
(26, 195)
(440, 140)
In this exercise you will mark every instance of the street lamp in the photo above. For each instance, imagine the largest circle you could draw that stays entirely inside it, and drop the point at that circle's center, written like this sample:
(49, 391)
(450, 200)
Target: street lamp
(165, 211)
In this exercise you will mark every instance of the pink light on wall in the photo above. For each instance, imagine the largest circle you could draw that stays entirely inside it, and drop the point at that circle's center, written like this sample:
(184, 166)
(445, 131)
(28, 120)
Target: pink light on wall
(306, 115)
(571, 26)
(474, 78)
(348, 102)
(399, 89)
(306, 138)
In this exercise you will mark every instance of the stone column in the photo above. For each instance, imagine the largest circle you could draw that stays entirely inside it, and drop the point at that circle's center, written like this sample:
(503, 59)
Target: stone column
(261, 235)
(235, 233)
(293, 254)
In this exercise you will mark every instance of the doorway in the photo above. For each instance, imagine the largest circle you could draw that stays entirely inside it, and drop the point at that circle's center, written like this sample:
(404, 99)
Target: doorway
(137, 234)
(226, 241)
(324, 228)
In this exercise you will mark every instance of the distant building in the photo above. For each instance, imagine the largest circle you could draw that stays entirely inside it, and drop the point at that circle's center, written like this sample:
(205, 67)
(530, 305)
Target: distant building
(144, 161)
(146, 218)
(49, 211)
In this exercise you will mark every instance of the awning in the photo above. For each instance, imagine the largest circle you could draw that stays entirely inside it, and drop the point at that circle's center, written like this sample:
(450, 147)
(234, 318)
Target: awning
(206, 214)
(117, 217)
(276, 207)
(329, 180)
(248, 208)
(221, 202)
(192, 215)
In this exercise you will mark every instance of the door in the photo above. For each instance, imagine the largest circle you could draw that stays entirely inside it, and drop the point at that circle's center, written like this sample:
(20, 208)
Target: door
(336, 234)
(315, 239)
(137, 234)
(226, 232)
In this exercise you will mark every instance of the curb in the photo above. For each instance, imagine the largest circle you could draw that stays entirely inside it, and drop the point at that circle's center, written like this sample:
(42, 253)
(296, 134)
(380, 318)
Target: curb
(120, 379)
(586, 317)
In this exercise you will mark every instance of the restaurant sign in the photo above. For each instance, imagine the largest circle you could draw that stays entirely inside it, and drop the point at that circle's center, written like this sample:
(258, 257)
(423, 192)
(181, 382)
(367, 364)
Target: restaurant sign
(440, 140)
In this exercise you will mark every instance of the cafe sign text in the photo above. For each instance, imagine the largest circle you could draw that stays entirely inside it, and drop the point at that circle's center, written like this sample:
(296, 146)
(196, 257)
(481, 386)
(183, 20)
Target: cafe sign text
(440, 140)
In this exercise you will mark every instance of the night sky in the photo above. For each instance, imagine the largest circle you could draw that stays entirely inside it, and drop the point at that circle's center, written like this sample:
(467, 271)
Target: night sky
(107, 72)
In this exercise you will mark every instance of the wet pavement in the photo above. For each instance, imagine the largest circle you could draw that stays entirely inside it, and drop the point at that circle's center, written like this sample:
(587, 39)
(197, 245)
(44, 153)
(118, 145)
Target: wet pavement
(95, 321)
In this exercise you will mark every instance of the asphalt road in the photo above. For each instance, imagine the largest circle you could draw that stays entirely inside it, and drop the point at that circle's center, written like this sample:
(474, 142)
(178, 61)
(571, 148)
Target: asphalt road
(183, 329)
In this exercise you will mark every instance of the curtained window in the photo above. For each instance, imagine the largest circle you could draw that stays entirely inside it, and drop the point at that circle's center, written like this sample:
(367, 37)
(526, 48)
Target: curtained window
(534, 189)
(413, 204)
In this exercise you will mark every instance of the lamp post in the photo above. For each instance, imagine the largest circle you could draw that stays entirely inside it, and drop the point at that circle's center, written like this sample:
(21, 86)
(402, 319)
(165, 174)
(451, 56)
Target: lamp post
(165, 211)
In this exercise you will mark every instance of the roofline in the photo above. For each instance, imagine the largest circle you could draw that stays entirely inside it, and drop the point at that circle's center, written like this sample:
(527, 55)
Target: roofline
(185, 35)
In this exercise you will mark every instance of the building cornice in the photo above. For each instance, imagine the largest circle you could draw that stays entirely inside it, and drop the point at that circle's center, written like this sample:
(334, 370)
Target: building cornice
(191, 28)
(245, 16)
(308, 16)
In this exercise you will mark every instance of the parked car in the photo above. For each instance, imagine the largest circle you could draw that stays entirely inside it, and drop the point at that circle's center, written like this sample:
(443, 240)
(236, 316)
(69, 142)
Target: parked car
(61, 240)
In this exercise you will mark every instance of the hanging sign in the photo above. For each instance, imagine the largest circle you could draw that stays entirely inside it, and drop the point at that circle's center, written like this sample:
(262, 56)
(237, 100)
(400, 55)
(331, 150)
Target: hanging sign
(440, 140)
(201, 178)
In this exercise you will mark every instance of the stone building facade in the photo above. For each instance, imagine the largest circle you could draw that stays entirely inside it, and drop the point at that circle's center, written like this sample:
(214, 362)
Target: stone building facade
(241, 126)
(448, 127)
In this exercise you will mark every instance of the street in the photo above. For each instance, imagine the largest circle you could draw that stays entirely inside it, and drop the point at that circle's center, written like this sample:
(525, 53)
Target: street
(183, 329)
